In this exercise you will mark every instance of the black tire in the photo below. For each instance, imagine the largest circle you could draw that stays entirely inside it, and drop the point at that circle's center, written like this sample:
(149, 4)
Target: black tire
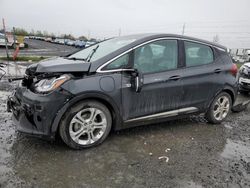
(210, 113)
(65, 123)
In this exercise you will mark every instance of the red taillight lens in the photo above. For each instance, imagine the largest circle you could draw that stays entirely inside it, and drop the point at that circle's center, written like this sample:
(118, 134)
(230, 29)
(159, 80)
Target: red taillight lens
(234, 69)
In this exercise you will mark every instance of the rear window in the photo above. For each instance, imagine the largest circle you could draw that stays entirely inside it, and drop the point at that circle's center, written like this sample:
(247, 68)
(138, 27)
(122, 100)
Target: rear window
(197, 54)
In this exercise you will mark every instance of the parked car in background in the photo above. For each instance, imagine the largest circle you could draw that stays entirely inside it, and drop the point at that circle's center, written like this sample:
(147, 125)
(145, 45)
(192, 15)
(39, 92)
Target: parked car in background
(59, 41)
(89, 43)
(124, 82)
(48, 39)
(246, 55)
(80, 44)
(244, 78)
(69, 42)
(10, 41)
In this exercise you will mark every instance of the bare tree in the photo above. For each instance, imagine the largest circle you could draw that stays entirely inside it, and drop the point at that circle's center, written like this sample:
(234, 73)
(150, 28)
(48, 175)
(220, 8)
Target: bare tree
(216, 39)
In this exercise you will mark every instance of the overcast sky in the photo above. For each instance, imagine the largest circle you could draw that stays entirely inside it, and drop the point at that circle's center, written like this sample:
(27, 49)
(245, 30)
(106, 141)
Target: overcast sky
(229, 19)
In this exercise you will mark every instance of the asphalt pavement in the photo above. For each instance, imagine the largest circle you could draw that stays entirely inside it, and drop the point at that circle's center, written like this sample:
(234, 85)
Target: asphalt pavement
(41, 48)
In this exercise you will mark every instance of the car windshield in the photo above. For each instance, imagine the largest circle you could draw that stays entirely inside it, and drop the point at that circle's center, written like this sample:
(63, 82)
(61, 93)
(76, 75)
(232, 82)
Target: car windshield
(102, 49)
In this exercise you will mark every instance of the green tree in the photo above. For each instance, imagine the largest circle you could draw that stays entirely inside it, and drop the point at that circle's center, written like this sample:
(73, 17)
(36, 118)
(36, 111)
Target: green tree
(82, 38)
(20, 31)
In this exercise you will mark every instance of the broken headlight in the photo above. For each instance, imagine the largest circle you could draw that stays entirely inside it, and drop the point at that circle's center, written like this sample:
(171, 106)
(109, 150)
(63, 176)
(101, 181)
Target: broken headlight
(50, 84)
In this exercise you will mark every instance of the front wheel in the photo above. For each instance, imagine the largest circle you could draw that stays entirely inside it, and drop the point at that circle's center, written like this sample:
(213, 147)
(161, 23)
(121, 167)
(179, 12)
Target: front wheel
(85, 125)
(219, 108)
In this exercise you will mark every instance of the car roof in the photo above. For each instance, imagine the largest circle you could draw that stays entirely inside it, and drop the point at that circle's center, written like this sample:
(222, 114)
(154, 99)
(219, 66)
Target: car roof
(151, 36)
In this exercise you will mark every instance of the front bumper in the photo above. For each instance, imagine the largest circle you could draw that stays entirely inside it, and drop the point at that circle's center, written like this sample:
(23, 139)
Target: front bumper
(34, 113)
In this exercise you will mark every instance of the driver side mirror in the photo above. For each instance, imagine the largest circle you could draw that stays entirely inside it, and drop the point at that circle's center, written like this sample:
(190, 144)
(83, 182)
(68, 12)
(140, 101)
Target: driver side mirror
(137, 80)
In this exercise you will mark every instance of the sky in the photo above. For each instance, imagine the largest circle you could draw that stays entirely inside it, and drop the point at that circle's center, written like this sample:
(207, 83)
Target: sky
(228, 19)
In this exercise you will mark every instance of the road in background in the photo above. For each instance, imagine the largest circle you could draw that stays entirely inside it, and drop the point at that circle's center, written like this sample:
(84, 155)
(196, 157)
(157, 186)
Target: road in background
(42, 48)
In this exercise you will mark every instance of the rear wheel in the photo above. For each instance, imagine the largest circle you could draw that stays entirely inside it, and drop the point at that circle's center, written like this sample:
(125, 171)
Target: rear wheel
(219, 108)
(85, 125)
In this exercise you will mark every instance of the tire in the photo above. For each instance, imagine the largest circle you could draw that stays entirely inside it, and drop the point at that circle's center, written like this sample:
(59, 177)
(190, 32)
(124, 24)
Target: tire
(216, 113)
(85, 125)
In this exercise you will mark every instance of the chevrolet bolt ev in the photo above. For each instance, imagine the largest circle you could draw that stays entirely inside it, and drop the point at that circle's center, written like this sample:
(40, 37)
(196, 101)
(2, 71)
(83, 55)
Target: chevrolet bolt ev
(244, 78)
(124, 82)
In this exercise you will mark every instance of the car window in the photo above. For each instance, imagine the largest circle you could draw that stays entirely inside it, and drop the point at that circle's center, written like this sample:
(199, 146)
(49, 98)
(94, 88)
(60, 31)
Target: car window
(197, 54)
(119, 63)
(157, 56)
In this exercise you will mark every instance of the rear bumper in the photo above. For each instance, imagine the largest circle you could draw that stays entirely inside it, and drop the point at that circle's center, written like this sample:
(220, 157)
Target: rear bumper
(33, 114)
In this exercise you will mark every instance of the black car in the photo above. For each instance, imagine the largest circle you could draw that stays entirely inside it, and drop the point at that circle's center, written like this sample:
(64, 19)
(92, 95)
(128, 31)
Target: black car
(244, 78)
(124, 82)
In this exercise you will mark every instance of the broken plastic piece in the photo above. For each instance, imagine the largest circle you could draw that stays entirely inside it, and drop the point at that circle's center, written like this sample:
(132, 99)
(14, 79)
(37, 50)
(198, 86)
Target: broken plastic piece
(241, 106)
(164, 157)
(168, 149)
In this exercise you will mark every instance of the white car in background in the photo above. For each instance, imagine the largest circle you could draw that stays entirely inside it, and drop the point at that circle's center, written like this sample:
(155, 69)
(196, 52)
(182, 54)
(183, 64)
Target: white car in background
(89, 43)
(10, 43)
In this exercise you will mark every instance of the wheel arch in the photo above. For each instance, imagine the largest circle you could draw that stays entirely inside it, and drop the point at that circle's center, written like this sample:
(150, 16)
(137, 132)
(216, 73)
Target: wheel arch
(102, 98)
(231, 93)
(229, 90)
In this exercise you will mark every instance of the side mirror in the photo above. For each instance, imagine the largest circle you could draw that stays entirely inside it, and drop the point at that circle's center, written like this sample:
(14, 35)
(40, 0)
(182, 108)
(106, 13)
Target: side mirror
(137, 80)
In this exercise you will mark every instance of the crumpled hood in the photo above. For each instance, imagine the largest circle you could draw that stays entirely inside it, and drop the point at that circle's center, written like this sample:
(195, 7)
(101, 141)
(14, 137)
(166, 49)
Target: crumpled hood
(58, 64)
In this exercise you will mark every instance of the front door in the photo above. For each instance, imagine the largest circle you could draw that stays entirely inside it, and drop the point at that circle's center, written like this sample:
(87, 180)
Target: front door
(162, 88)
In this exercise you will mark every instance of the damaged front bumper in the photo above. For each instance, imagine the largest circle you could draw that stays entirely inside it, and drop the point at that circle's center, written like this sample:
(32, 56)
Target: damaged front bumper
(34, 113)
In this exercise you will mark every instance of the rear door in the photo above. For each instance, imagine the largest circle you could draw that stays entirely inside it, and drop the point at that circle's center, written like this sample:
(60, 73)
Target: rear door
(202, 77)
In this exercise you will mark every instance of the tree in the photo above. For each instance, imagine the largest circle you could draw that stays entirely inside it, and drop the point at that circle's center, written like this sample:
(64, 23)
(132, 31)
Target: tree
(68, 36)
(20, 31)
(83, 38)
(39, 34)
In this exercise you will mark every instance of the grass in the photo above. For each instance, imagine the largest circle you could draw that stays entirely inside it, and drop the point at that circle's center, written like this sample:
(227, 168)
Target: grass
(25, 58)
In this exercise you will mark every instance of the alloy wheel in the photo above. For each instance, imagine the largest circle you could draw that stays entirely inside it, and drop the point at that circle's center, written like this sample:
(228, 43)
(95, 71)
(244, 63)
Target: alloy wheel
(221, 108)
(88, 126)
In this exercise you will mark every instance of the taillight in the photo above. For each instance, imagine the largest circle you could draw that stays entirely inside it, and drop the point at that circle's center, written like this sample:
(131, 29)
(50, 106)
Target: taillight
(234, 69)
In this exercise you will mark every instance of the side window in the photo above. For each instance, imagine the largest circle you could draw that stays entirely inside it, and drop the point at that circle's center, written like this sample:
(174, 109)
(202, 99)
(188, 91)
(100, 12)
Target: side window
(157, 56)
(198, 54)
(119, 63)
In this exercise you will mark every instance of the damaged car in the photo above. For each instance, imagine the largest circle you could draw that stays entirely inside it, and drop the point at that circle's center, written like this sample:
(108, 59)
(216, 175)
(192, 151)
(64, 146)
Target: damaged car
(244, 78)
(124, 82)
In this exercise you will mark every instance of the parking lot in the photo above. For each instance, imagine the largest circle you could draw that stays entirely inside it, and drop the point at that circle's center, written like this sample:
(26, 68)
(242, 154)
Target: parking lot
(41, 48)
(182, 153)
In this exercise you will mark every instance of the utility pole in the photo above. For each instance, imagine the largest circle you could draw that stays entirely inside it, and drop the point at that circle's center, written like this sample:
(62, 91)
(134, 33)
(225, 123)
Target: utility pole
(88, 34)
(119, 32)
(183, 29)
(6, 42)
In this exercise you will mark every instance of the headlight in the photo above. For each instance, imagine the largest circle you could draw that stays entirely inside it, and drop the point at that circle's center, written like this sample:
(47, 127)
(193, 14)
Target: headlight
(50, 84)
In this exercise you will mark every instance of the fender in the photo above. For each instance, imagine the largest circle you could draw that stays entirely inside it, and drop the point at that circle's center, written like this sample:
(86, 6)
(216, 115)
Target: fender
(225, 88)
(89, 95)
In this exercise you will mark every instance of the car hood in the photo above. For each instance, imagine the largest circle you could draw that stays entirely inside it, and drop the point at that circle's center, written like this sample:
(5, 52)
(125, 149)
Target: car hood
(58, 65)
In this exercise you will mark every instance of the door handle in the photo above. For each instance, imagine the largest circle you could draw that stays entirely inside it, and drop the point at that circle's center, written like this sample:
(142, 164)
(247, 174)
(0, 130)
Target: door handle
(217, 71)
(175, 78)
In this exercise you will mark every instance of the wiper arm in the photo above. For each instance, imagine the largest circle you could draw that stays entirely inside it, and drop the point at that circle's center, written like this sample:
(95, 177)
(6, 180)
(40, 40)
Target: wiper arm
(92, 53)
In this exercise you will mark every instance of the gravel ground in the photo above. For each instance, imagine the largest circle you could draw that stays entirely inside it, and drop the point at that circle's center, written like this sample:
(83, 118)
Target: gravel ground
(199, 155)
(42, 48)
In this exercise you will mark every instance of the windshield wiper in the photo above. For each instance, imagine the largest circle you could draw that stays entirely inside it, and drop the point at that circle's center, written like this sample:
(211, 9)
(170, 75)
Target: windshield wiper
(92, 53)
